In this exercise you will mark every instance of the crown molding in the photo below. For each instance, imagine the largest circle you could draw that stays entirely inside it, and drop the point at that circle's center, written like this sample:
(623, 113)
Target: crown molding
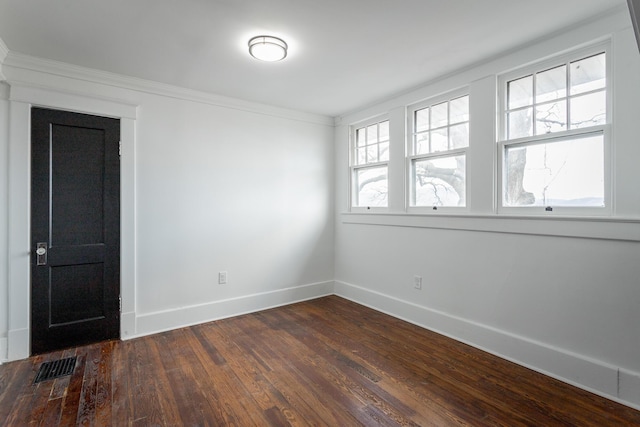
(15, 62)
(4, 51)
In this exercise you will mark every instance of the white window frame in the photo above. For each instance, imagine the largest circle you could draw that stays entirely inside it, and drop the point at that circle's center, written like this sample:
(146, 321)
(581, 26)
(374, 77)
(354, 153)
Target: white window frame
(354, 168)
(605, 130)
(411, 157)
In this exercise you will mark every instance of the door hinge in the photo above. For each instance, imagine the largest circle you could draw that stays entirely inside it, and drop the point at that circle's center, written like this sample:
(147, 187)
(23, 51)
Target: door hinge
(119, 148)
(120, 304)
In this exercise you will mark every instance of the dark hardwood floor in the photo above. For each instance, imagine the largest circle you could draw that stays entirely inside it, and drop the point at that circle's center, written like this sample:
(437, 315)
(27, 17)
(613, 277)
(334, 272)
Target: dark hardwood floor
(326, 362)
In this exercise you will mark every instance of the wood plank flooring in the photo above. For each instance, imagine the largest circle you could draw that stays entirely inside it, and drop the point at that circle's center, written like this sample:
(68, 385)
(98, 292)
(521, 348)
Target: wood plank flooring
(326, 362)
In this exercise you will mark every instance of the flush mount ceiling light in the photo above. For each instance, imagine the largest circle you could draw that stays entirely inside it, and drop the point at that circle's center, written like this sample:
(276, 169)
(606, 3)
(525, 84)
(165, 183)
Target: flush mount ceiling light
(267, 48)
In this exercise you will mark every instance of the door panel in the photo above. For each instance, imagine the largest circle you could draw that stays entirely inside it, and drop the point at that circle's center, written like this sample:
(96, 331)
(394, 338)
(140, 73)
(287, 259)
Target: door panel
(75, 199)
(77, 163)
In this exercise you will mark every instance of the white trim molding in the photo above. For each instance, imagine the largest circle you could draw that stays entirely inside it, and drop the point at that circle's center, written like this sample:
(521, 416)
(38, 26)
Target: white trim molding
(18, 344)
(3, 350)
(71, 101)
(21, 99)
(4, 51)
(605, 228)
(18, 68)
(151, 323)
(598, 377)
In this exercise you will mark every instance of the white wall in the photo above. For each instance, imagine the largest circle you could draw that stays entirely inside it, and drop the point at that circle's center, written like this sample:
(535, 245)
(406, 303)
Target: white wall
(560, 296)
(4, 166)
(225, 190)
(209, 184)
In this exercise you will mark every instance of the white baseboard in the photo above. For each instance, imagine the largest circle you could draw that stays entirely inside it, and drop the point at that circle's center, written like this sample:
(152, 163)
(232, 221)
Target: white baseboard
(592, 375)
(150, 323)
(18, 344)
(609, 381)
(3, 350)
(127, 324)
(629, 389)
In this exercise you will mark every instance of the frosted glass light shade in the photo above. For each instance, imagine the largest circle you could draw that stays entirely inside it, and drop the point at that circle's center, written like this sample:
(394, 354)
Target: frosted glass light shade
(267, 48)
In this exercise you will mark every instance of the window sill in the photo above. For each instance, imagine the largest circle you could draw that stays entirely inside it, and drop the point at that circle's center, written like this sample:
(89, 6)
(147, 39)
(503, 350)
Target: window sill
(622, 229)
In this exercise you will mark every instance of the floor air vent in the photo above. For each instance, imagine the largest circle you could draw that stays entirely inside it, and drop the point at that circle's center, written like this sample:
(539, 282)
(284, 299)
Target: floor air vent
(55, 369)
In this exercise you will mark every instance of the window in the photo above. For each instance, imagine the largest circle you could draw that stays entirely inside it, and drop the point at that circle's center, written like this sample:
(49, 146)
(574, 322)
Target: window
(555, 135)
(437, 153)
(369, 165)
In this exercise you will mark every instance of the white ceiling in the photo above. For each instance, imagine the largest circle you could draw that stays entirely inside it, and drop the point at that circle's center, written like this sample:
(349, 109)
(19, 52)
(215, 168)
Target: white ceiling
(344, 54)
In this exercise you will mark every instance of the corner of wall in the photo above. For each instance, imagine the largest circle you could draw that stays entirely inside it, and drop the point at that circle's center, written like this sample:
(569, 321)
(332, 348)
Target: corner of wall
(151, 323)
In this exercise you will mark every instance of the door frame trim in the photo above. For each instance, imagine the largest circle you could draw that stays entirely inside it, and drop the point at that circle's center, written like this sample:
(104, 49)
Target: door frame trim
(21, 99)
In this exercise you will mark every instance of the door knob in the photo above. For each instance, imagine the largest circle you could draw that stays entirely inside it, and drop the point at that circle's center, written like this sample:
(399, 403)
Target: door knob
(41, 252)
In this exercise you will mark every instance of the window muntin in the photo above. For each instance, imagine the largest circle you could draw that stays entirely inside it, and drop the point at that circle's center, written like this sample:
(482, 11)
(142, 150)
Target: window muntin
(369, 165)
(372, 144)
(438, 153)
(554, 151)
(565, 97)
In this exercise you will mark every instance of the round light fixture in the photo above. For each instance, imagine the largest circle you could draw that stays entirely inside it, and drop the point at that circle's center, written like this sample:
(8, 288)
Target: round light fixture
(267, 48)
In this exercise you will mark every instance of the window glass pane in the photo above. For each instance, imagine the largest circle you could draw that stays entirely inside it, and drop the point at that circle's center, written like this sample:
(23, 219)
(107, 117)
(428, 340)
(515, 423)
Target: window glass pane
(383, 131)
(368, 146)
(589, 110)
(551, 84)
(439, 140)
(372, 133)
(520, 123)
(439, 115)
(372, 153)
(384, 151)
(551, 117)
(422, 120)
(520, 92)
(371, 187)
(421, 143)
(459, 135)
(440, 181)
(562, 173)
(360, 137)
(459, 109)
(588, 74)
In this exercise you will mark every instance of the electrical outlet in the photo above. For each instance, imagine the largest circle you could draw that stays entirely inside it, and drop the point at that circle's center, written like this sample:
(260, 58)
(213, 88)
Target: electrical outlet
(417, 282)
(222, 278)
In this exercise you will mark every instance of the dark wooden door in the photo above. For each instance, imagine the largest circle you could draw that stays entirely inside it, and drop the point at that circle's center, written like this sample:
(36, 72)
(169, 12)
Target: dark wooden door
(75, 229)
